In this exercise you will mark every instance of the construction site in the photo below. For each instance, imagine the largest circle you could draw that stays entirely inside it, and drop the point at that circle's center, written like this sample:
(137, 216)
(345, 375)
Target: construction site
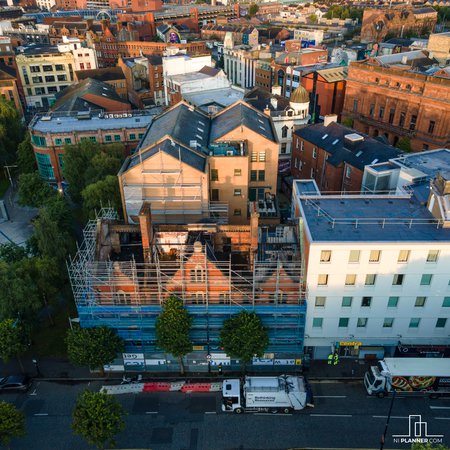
(122, 273)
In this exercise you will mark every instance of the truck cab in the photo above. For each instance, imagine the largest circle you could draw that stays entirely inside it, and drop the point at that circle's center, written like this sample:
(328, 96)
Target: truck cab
(375, 382)
(231, 396)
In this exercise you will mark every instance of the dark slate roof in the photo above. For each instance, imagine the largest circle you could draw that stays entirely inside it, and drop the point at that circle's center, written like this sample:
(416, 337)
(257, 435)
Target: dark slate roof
(71, 98)
(400, 41)
(105, 74)
(154, 60)
(365, 152)
(183, 124)
(241, 114)
(211, 71)
(7, 72)
(260, 99)
(187, 155)
(38, 49)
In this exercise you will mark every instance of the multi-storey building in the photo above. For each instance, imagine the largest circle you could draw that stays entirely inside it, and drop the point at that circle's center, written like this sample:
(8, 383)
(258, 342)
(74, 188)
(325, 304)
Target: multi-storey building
(404, 95)
(113, 76)
(376, 268)
(194, 166)
(439, 47)
(9, 86)
(335, 156)
(50, 132)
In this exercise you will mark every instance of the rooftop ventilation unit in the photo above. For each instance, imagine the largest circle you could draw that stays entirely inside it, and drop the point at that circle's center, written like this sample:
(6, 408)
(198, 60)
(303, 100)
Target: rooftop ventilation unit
(46, 118)
(84, 115)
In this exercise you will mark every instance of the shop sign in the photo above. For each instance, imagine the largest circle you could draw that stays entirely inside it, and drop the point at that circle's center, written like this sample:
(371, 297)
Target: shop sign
(350, 344)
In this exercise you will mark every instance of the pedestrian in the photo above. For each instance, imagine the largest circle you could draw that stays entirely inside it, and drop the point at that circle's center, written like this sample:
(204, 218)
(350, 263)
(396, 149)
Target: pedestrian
(330, 359)
(335, 358)
(220, 368)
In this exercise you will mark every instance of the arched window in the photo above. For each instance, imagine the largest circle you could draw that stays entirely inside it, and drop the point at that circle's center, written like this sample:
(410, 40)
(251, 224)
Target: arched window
(284, 131)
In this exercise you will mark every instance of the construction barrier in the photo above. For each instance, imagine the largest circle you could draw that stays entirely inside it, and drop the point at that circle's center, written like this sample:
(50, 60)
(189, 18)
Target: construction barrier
(134, 388)
(157, 386)
(162, 386)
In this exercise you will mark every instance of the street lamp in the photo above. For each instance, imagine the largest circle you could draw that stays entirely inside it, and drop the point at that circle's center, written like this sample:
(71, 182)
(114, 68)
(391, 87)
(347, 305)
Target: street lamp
(35, 362)
(383, 436)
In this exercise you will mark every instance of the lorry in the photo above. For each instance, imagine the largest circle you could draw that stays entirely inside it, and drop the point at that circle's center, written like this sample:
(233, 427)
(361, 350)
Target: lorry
(409, 376)
(284, 393)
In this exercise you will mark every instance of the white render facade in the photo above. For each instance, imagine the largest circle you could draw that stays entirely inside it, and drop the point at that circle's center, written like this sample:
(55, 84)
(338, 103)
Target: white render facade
(240, 64)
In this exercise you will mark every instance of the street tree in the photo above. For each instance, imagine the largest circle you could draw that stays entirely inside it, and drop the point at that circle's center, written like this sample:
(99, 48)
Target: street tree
(102, 193)
(11, 131)
(11, 252)
(404, 144)
(25, 156)
(172, 329)
(33, 190)
(243, 336)
(98, 418)
(253, 9)
(12, 340)
(12, 423)
(429, 446)
(93, 347)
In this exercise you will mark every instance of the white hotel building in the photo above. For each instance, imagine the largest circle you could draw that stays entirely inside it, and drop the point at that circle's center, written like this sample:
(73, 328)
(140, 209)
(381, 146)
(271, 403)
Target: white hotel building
(378, 267)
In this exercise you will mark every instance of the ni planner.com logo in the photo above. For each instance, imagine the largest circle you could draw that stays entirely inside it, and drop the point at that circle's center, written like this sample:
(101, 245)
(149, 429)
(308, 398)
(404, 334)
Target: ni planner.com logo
(417, 433)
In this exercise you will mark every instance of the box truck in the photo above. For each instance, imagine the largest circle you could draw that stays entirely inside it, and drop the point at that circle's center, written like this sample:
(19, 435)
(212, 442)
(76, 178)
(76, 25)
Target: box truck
(282, 393)
(409, 376)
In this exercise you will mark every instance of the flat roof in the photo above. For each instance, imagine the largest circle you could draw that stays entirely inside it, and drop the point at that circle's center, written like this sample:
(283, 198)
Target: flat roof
(429, 163)
(223, 97)
(419, 367)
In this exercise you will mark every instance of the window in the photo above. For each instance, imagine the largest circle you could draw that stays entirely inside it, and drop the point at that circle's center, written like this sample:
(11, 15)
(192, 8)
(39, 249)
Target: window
(197, 274)
(61, 161)
(132, 136)
(320, 302)
(374, 256)
(59, 67)
(39, 91)
(314, 152)
(343, 322)
(433, 256)
(262, 156)
(370, 279)
(108, 138)
(401, 119)
(284, 131)
(354, 256)
(215, 195)
(355, 105)
(325, 256)
(348, 172)
(62, 78)
(82, 66)
(214, 175)
(92, 138)
(362, 322)
(254, 156)
(312, 173)
(381, 112)
(68, 141)
(45, 166)
(302, 146)
(283, 148)
(431, 126)
(36, 79)
(371, 109)
(426, 279)
(52, 89)
(34, 69)
(398, 279)
(412, 123)
(50, 79)
(237, 192)
(322, 280)
(393, 302)
(47, 68)
(237, 172)
(39, 141)
(296, 163)
(414, 322)
(446, 302)
(347, 301)
(420, 302)
(261, 175)
(403, 256)
(425, 147)
(317, 322)
(391, 115)
(58, 141)
(441, 322)
(350, 279)
(253, 175)
(366, 301)
(237, 212)
(388, 322)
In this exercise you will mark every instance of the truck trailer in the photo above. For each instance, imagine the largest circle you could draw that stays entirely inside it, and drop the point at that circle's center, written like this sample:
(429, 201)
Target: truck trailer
(409, 376)
(284, 393)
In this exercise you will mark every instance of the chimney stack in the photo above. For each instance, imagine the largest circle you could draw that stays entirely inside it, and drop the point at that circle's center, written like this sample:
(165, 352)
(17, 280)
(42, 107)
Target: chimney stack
(329, 118)
(145, 222)
(254, 222)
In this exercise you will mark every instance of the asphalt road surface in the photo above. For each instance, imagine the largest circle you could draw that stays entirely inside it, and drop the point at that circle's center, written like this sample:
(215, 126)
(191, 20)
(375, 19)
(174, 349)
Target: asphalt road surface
(344, 417)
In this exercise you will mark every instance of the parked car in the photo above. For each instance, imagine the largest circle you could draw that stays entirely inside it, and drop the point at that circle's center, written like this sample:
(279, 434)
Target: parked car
(15, 383)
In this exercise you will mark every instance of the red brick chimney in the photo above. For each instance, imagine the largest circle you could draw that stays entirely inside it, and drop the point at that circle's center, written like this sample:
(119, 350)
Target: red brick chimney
(145, 222)
(254, 222)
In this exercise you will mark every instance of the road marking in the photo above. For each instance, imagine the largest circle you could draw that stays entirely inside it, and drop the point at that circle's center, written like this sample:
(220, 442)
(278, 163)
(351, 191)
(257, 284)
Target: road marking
(41, 414)
(440, 407)
(331, 415)
(151, 412)
(442, 418)
(330, 396)
(34, 392)
(272, 414)
(392, 417)
(210, 412)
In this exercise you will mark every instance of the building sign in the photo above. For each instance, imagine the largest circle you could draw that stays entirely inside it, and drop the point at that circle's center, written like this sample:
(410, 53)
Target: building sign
(133, 356)
(174, 37)
(350, 344)
(284, 362)
(262, 362)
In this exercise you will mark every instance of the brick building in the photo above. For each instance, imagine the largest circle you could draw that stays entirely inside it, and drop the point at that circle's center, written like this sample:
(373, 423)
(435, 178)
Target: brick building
(9, 82)
(335, 156)
(379, 23)
(403, 95)
(113, 76)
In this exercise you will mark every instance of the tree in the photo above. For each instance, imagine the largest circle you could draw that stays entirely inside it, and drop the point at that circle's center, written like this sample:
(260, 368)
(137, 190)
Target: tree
(404, 144)
(98, 417)
(102, 193)
(11, 131)
(12, 423)
(253, 9)
(12, 340)
(313, 18)
(33, 190)
(429, 446)
(12, 253)
(244, 337)
(347, 122)
(172, 329)
(25, 156)
(93, 347)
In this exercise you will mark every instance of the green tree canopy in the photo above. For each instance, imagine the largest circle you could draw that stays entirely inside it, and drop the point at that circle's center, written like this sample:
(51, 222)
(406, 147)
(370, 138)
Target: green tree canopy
(172, 329)
(13, 340)
(404, 144)
(98, 418)
(429, 446)
(93, 347)
(253, 9)
(243, 336)
(313, 18)
(102, 193)
(11, 252)
(12, 423)
(25, 156)
(33, 190)
(11, 131)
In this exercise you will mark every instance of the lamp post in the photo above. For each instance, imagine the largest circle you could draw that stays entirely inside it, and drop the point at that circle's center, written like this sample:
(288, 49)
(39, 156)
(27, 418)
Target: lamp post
(383, 436)
(36, 365)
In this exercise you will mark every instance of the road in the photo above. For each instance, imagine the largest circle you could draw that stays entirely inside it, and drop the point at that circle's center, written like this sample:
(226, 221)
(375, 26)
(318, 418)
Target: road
(344, 417)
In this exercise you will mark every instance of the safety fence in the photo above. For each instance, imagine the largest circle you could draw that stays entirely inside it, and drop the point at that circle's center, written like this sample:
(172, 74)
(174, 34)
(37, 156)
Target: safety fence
(162, 386)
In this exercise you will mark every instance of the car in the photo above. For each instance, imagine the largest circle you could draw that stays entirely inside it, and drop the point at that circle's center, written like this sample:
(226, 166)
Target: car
(15, 383)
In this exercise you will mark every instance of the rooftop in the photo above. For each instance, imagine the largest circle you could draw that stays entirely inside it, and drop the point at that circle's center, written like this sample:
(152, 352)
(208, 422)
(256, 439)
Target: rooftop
(37, 49)
(104, 74)
(221, 97)
(428, 163)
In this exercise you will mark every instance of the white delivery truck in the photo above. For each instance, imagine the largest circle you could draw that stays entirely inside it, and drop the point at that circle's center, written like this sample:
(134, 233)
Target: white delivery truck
(282, 393)
(409, 376)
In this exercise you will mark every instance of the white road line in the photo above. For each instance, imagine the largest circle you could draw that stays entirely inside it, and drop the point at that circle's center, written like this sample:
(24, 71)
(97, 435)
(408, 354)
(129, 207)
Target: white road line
(271, 414)
(440, 407)
(442, 418)
(330, 396)
(41, 414)
(34, 392)
(392, 417)
(151, 412)
(331, 415)
(210, 412)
